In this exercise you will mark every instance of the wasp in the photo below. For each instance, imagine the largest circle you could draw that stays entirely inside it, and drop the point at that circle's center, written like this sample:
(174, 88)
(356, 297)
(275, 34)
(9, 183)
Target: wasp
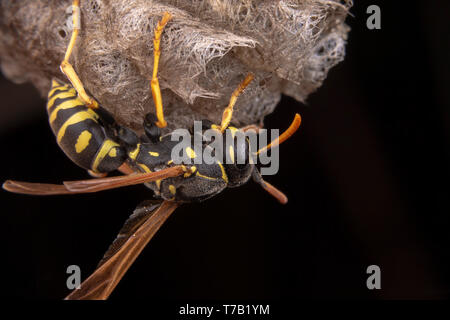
(92, 139)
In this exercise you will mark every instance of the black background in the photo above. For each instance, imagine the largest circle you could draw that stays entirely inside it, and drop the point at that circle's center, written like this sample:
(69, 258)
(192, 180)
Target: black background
(367, 178)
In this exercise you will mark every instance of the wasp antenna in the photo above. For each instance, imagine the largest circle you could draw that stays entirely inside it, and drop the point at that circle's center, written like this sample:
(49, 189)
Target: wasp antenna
(284, 136)
(274, 192)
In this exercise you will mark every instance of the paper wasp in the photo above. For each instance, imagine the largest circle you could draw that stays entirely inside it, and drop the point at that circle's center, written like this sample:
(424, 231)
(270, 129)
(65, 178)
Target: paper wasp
(90, 136)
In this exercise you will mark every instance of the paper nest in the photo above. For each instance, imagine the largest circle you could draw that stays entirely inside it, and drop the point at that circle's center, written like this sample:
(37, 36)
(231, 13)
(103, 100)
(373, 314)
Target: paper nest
(206, 50)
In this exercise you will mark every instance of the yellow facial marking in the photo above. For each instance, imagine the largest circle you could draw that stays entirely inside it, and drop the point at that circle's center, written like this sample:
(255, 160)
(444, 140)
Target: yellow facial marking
(191, 153)
(65, 105)
(112, 153)
(62, 95)
(231, 151)
(83, 141)
(170, 162)
(158, 184)
(153, 154)
(172, 189)
(104, 150)
(76, 118)
(133, 154)
(144, 167)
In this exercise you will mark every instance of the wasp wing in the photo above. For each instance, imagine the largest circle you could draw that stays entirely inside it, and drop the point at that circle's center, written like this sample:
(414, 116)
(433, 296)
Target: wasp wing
(90, 185)
(94, 185)
(134, 221)
(42, 189)
(120, 256)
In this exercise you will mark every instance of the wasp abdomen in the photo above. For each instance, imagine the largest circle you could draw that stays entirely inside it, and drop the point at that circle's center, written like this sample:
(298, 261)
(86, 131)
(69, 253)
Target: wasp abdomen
(79, 133)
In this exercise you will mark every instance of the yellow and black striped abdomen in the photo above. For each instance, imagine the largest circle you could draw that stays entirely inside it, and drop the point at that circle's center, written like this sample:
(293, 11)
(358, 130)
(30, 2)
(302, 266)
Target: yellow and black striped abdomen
(79, 133)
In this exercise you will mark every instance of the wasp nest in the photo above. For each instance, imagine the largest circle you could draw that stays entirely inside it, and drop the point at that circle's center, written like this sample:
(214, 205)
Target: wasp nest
(206, 50)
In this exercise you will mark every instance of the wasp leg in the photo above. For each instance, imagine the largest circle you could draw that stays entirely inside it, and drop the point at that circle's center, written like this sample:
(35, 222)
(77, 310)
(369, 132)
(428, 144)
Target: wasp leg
(151, 129)
(228, 112)
(154, 84)
(67, 68)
